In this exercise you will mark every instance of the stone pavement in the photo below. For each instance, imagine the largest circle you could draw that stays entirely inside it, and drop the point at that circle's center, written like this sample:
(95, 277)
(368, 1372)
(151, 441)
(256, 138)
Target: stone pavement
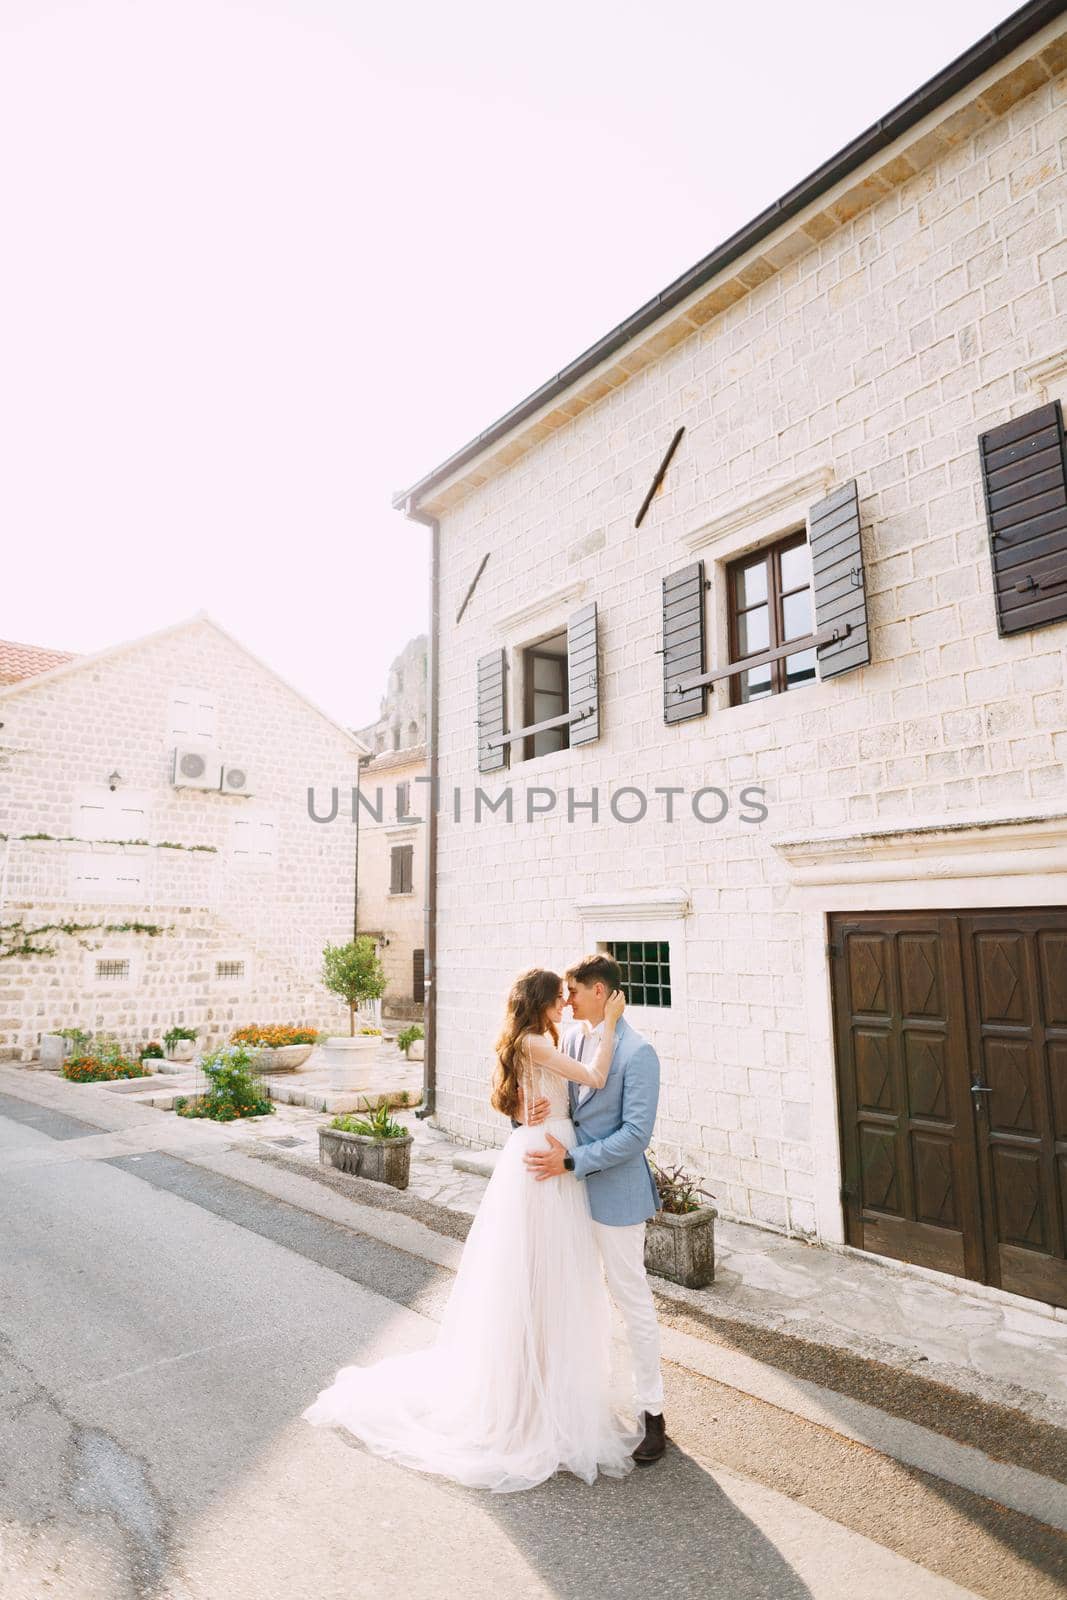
(978, 1341)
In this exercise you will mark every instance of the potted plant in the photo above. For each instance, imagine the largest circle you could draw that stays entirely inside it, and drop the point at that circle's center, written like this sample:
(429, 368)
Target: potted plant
(353, 972)
(410, 1041)
(180, 1043)
(152, 1051)
(680, 1239)
(372, 1146)
(63, 1042)
(281, 1048)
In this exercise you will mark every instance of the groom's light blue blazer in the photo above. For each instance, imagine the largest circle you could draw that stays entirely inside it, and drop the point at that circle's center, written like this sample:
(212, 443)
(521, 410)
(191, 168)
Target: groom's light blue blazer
(614, 1127)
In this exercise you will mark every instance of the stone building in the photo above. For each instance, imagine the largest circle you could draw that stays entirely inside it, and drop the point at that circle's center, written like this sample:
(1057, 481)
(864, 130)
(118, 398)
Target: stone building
(158, 860)
(814, 686)
(392, 855)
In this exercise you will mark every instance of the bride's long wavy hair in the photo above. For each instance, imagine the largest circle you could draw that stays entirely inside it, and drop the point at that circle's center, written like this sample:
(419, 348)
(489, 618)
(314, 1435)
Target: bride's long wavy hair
(531, 995)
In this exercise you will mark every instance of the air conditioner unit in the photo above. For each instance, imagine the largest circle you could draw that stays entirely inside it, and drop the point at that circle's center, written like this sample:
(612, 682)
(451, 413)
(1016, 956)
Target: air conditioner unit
(196, 768)
(235, 779)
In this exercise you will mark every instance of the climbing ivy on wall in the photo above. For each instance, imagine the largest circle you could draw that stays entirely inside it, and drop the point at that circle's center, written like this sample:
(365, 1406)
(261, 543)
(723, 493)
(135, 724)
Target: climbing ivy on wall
(18, 940)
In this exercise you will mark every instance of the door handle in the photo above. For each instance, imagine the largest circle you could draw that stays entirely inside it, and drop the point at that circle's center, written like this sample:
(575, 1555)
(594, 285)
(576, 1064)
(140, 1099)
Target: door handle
(980, 1088)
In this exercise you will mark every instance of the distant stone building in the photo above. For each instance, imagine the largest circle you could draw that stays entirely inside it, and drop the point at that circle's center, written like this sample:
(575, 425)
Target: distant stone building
(158, 862)
(392, 863)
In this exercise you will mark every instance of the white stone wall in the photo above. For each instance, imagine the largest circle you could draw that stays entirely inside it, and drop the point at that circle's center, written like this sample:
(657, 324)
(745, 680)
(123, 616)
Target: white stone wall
(879, 353)
(61, 738)
(399, 917)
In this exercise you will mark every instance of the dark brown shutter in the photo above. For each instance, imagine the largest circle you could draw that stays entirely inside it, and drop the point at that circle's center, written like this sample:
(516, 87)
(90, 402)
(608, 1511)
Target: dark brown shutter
(583, 675)
(492, 711)
(394, 870)
(418, 976)
(683, 643)
(1024, 474)
(407, 855)
(837, 577)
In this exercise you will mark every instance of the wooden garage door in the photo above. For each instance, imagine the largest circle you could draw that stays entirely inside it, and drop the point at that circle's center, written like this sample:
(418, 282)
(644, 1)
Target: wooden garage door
(951, 1042)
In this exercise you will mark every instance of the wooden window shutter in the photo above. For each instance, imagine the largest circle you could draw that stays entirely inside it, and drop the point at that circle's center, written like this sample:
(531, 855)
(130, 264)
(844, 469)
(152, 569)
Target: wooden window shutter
(1024, 475)
(395, 870)
(838, 581)
(683, 643)
(583, 675)
(492, 711)
(407, 856)
(418, 976)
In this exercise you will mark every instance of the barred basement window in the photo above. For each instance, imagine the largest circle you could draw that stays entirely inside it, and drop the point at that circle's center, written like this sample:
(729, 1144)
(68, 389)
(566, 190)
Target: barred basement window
(646, 970)
(113, 969)
(229, 969)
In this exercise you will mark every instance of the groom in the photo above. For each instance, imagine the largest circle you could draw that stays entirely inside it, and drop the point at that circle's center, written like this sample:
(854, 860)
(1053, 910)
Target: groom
(614, 1125)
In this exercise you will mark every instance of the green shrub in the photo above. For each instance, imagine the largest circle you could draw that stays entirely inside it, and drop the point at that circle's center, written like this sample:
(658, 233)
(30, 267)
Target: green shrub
(94, 1069)
(233, 1090)
(379, 1124)
(408, 1035)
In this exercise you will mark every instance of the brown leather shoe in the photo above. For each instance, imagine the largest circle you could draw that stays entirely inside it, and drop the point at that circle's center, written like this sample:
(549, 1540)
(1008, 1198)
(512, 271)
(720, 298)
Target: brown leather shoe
(654, 1443)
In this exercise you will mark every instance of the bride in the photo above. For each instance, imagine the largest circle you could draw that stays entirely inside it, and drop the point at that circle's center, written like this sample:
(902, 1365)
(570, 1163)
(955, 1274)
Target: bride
(517, 1385)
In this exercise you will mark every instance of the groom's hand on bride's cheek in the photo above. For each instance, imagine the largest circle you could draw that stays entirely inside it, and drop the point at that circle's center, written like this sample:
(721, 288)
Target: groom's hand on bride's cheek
(547, 1163)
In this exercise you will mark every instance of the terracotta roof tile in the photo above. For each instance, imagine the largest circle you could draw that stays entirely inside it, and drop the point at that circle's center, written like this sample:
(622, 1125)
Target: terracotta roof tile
(18, 661)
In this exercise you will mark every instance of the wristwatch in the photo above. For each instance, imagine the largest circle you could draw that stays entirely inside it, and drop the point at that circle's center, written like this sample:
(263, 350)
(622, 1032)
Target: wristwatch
(568, 1162)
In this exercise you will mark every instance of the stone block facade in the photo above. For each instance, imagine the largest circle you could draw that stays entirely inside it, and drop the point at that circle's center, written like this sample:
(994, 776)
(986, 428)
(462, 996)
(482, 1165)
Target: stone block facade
(218, 915)
(874, 338)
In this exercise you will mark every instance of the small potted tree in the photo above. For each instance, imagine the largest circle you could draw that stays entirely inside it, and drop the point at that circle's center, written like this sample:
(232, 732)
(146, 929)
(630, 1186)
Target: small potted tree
(353, 972)
(371, 1146)
(180, 1043)
(680, 1239)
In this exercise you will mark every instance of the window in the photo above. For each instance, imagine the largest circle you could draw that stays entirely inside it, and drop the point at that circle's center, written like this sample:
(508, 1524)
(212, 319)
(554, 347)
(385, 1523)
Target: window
(401, 858)
(254, 840)
(646, 970)
(229, 969)
(403, 801)
(544, 668)
(112, 969)
(769, 598)
(103, 813)
(119, 878)
(192, 716)
(418, 976)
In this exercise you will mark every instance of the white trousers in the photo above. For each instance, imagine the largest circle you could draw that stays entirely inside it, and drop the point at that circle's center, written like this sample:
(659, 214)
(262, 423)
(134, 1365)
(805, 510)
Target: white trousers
(622, 1250)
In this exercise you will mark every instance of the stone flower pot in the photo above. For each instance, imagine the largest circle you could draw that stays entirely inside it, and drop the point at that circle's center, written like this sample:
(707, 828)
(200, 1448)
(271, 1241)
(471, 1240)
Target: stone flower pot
(416, 1050)
(682, 1247)
(181, 1050)
(54, 1051)
(350, 1059)
(381, 1160)
(281, 1058)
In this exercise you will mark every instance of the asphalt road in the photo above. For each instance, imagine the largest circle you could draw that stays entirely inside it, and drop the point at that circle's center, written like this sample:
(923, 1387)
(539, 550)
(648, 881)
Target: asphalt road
(162, 1327)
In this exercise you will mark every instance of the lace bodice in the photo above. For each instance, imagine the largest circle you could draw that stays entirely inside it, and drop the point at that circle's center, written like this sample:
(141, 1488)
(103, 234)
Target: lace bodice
(538, 1081)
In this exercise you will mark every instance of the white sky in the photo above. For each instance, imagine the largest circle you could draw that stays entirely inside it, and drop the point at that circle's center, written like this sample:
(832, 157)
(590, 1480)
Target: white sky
(265, 263)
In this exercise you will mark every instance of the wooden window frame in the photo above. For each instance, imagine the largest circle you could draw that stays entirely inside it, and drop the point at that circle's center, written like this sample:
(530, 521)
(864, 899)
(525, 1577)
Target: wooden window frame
(772, 557)
(530, 654)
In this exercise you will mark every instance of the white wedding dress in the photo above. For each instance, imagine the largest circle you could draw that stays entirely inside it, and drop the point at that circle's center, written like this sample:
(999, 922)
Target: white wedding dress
(518, 1384)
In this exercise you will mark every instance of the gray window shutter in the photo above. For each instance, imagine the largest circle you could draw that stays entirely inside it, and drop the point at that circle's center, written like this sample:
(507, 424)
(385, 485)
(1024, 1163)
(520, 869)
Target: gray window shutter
(838, 581)
(1024, 475)
(492, 711)
(683, 643)
(583, 675)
